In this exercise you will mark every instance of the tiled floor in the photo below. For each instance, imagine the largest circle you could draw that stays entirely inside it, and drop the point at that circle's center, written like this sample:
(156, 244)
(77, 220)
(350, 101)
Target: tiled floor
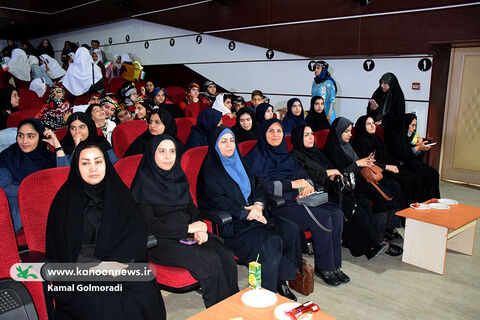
(385, 287)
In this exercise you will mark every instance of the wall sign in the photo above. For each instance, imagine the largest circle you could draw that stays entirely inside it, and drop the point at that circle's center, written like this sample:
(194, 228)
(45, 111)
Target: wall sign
(269, 54)
(127, 38)
(368, 65)
(172, 42)
(311, 65)
(231, 45)
(110, 40)
(424, 64)
(146, 45)
(198, 39)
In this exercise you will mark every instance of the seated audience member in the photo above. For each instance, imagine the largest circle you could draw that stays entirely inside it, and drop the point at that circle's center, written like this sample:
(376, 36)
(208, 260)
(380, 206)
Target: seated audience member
(83, 75)
(149, 87)
(82, 128)
(257, 98)
(159, 122)
(101, 122)
(128, 93)
(246, 127)
(316, 117)
(28, 48)
(263, 112)
(192, 96)
(226, 183)
(160, 99)
(96, 46)
(223, 103)
(238, 103)
(161, 189)
(18, 66)
(408, 149)
(359, 232)
(207, 120)
(97, 59)
(54, 114)
(294, 117)
(127, 69)
(143, 106)
(109, 104)
(114, 71)
(94, 219)
(122, 114)
(9, 102)
(28, 155)
(53, 68)
(38, 72)
(93, 98)
(7, 51)
(341, 154)
(45, 48)
(367, 142)
(210, 88)
(281, 176)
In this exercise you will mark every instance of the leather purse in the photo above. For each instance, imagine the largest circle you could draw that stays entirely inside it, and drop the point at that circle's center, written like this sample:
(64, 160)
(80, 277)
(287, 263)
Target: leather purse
(374, 174)
(304, 282)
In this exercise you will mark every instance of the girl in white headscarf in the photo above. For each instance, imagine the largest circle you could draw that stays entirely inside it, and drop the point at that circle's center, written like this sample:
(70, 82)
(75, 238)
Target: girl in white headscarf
(53, 68)
(18, 65)
(82, 73)
(38, 72)
(223, 103)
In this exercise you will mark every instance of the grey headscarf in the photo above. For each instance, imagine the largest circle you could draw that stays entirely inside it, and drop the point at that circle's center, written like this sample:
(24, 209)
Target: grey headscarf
(343, 124)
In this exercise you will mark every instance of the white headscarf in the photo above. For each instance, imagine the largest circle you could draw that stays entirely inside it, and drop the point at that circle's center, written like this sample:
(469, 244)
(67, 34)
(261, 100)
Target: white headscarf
(55, 70)
(99, 55)
(39, 86)
(115, 57)
(79, 78)
(19, 66)
(218, 105)
(32, 60)
(126, 57)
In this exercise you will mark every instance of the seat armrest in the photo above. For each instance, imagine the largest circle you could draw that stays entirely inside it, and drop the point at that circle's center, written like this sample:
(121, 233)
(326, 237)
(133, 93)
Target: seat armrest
(275, 201)
(216, 216)
(33, 256)
(151, 242)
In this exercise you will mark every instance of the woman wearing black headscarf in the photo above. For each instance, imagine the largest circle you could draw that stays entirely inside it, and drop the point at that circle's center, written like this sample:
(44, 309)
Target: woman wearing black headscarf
(159, 96)
(226, 183)
(263, 112)
(246, 127)
(9, 102)
(359, 232)
(207, 120)
(408, 149)
(28, 155)
(159, 122)
(294, 117)
(161, 188)
(111, 233)
(367, 142)
(316, 117)
(343, 157)
(282, 176)
(82, 128)
(45, 48)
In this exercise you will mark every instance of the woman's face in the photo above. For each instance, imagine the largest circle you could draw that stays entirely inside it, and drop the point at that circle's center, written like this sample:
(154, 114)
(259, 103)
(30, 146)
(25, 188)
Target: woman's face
(155, 125)
(133, 96)
(98, 114)
(308, 137)
(77, 127)
(124, 115)
(109, 109)
(347, 134)
(384, 86)
(119, 59)
(319, 106)
(256, 100)
(27, 138)
(212, 89)
(59, 95)
(149, 86)
(318, 70)
(70, 60)
(94, 57)
(296, 108)
(239, 105)
(92, 165)
(165, 155)
(45, 43)
(15, 99)
(275, 134)
(269, 113)
(370, 125)
(226, 145)
(246, 121)
(67, 45)
(194, 92)
(412, 127)
(140, 111)
(228, 103)
(160, 97)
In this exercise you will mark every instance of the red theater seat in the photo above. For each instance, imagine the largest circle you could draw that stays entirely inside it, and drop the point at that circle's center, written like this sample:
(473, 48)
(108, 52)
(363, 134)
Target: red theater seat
(228, 122)
(246, 146)
(30, 100)
(184, 126)
(288, 139)
(191, 162)
(127, 167)
(321, 138)
(193, 109)
(115, 85)
(15, 118)
(125, 133)
(175, 94)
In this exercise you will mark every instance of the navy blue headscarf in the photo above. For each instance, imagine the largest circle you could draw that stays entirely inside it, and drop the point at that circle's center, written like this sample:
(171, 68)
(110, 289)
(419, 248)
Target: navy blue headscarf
(260, 112)
(266, 160)
(291, 121)
(207, 120)
(22, 164)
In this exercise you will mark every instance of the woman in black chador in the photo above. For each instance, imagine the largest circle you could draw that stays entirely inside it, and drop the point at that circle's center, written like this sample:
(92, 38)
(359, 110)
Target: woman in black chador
(409, 153)
(226, 183)
(93, 218)
(161, 188)
(316, 117)
(343, 157)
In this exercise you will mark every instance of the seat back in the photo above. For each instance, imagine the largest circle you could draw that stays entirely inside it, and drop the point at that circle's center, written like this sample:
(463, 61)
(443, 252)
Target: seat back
(321, 138)
(191, 163)
(175, 94)
(82, 100)
(193, 109)
(380, 132)
(15, 118)
(139, 85)
(116, 84)
(184, 126)
(127, 168)
(8, 245)
(35, 195)
(246, 146)
(29, 100)
(228, 122)
(288, 139)
(125, 133)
